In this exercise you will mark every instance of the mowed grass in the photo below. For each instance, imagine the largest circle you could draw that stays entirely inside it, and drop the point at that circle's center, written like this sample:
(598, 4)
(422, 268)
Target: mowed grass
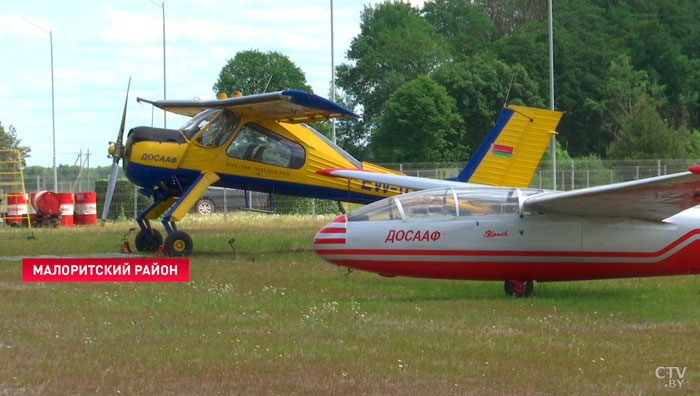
(274, 318)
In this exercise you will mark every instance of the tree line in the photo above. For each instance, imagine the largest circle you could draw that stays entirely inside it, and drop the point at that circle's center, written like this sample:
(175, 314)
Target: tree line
(429, 82)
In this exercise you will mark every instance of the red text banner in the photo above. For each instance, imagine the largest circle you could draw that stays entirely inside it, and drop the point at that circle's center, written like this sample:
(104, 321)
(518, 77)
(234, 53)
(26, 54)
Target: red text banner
(105, 270)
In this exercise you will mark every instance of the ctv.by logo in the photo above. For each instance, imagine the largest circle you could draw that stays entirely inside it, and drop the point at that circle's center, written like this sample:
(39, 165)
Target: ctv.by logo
(674, 376)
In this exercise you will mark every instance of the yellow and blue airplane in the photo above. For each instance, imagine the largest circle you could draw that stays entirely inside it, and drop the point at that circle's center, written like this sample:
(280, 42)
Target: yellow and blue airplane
(262, 143)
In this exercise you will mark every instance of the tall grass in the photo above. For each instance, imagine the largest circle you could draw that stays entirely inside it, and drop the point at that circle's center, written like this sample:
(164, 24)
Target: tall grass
(272, 317)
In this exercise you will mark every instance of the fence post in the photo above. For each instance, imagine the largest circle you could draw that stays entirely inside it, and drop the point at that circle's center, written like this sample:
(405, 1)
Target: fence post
(611, 176)
(573, 187)
(637, 173)
(313, 209)
(658, 167)
(225, 205)
(588, 177)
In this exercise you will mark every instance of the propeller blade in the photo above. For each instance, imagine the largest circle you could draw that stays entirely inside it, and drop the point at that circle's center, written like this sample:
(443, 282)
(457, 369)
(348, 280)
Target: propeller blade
(111, 183)
(119, 146)
(116, 155)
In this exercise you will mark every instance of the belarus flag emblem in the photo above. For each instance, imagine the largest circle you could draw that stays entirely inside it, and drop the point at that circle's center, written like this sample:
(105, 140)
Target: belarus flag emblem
(501, 150)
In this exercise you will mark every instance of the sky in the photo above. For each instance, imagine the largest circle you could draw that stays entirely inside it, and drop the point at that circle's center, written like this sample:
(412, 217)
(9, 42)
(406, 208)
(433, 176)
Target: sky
(98, 45)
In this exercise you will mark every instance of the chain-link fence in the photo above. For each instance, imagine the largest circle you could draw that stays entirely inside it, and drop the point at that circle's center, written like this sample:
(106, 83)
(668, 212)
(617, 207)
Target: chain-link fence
(128, 202)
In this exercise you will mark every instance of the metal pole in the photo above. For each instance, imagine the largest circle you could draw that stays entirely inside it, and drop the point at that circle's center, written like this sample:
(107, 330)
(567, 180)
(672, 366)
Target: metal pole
(332, 71)
(53, 118)
(553, 145)
(225, 206)
(165, 113)
(53, 107)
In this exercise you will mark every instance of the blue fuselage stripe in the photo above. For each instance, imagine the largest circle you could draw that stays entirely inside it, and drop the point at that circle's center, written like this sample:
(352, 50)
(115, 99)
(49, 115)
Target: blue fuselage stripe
(149, 176)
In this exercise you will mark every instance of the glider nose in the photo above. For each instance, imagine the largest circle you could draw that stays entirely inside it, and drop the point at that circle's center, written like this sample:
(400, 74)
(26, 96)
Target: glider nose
(331, 236)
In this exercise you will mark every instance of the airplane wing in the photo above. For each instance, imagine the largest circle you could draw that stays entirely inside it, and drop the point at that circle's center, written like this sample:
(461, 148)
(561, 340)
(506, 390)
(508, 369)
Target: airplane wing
(287, 106)
(512, 150)
(655, 199)
(411, 182)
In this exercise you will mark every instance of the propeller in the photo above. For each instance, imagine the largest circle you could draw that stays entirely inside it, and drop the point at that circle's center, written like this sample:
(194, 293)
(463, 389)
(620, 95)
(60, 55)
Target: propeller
(116, 151)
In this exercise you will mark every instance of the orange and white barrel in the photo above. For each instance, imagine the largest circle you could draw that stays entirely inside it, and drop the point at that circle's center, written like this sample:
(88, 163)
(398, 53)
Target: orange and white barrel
(66, 208)
(32, 211)
(16, 208)
(85, 208)
(46, 202)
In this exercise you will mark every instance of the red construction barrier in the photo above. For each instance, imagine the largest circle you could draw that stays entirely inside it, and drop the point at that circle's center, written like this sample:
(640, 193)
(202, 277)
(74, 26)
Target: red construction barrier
(16, 208)
(85, 208)
(66, 208)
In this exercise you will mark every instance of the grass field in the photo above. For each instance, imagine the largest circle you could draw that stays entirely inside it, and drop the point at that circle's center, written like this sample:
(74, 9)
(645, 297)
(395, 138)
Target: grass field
(273, 318)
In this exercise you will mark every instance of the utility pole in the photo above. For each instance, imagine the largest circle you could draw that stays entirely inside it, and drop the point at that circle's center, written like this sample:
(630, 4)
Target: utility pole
(332, 70)
(165, 113)
(553, 146)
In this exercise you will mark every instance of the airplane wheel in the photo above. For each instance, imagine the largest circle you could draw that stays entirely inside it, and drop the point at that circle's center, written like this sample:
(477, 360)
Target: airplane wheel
(144, 245)
(178, 244)
(517, 288)
(205, 206)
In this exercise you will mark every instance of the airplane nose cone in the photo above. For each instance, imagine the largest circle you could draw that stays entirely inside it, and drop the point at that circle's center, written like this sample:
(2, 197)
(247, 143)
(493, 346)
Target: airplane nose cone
(331, 236)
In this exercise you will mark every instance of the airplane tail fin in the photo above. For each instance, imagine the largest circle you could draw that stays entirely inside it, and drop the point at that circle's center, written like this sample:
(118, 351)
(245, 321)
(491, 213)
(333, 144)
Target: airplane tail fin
(512, 150)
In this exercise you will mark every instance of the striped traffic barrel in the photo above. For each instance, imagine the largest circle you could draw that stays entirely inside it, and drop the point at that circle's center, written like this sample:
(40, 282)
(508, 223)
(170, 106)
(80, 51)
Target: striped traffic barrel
(85, 208)
(16, 208)
(66, 208)
(46, 203)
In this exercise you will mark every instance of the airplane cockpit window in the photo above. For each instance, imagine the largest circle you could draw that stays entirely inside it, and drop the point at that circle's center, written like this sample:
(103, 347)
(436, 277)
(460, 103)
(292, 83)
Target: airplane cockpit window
(218, 130)
(196, 123)
(257, 143)
(429, 204)
(386, 209)
(487, 201)
(445, 204)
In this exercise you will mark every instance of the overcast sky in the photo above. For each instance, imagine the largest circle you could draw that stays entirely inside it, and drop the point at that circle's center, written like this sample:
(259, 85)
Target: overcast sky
(99, 44)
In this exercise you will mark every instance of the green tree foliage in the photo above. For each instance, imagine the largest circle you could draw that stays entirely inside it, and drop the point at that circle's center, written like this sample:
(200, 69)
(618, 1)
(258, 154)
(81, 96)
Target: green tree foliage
(643, 134)
(464, 25)
(420, 124)
(255, 72)
(481, 85)
(508, 15)
(395, 45)
(9, 140)
(625, 89)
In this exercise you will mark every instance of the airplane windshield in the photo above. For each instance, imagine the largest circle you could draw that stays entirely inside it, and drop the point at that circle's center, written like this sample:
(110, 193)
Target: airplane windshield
(196, 123)
(445, 203)
(357, 164)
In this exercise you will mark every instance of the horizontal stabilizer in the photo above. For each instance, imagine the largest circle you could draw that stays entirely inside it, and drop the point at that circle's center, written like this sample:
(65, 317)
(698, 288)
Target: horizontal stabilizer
(411, 182)
(286, 106)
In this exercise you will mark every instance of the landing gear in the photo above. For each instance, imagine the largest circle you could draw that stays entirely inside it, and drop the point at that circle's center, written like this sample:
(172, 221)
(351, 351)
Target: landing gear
(517, 288)
(178, 244)
(144, 244)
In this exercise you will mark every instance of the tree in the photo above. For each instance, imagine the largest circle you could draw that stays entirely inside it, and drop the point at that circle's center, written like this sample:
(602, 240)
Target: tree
(9, 140)
(395, 45)
(420, 124)
(481, 85)
(255, 72)
(467, 29)
(625, 89)
(643, 134)
(508, 15)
